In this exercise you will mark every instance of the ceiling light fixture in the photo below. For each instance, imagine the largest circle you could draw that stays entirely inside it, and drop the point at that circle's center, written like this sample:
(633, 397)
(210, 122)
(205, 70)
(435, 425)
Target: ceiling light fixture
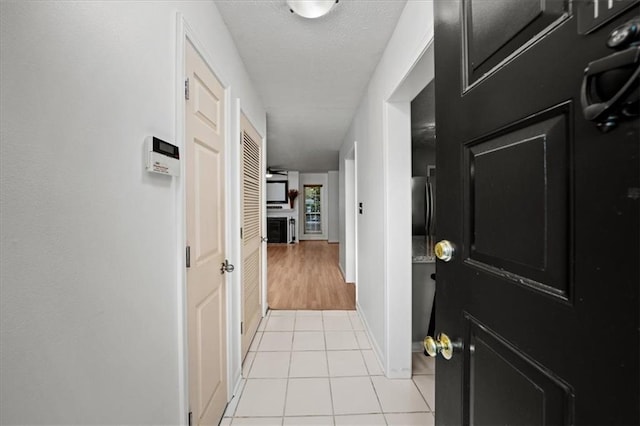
(311, 8)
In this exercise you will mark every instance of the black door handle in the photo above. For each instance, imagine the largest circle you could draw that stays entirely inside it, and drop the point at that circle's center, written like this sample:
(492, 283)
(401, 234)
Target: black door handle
(619, 74)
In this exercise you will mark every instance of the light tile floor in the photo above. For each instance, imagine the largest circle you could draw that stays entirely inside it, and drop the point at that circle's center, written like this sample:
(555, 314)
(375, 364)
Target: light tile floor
(319, 368)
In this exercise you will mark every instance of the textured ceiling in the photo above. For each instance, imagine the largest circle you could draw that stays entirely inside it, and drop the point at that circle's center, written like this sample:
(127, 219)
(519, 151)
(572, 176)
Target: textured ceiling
(310, 74)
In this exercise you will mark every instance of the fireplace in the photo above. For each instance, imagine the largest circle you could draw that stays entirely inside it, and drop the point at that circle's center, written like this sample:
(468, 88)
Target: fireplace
(277, 229)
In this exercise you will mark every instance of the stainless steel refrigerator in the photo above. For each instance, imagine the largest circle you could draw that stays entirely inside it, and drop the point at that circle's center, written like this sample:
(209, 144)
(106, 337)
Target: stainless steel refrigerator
(423, 212)
(423, 263)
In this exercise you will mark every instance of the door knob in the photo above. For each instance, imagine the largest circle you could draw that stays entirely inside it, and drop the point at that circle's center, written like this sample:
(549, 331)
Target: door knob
(441, 345)
(444, 250)
(226, 267)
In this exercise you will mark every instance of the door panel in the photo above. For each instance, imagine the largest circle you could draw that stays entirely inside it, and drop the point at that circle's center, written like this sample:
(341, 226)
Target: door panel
(533, 197)
(206, 294)
(207, 203)
(531, 395)
(521, 172)
(208, 325)
(252, 245)
(206, 104)
(519, 22)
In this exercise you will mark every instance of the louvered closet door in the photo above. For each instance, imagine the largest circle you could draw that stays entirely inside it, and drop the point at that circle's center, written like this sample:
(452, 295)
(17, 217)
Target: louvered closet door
(251, 232)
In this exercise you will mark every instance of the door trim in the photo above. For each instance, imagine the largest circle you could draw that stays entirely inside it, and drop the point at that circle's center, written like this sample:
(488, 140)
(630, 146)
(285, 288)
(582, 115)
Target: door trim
(185, 32)
(351, 218)
(396, 132)
(263, 225)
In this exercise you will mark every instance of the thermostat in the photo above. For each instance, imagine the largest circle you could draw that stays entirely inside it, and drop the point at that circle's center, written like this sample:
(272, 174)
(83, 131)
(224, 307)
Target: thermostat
(163, 157)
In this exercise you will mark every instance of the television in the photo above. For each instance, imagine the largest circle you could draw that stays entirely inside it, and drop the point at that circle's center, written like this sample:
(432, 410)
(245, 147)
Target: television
(277, 192)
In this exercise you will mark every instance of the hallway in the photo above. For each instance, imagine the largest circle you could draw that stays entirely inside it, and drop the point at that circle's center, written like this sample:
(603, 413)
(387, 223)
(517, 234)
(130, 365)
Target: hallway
(306, 276)
(318, 368)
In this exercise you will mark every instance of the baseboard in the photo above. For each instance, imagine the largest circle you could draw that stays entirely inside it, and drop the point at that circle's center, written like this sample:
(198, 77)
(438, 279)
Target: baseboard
(344, 276)
(374, 343)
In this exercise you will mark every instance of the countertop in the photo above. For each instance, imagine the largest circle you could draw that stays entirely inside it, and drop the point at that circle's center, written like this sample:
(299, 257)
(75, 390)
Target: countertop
(419, 250)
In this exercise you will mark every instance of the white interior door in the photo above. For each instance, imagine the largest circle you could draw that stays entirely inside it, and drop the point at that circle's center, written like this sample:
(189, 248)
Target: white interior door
(206, 295)
(251, 232)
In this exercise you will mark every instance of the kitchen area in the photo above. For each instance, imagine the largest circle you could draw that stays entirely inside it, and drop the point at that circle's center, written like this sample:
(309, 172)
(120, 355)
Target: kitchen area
(423, 223)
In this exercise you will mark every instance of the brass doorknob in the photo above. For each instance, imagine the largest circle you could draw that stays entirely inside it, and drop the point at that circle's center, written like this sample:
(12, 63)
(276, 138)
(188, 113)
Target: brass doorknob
(444, 250)
(441, 345)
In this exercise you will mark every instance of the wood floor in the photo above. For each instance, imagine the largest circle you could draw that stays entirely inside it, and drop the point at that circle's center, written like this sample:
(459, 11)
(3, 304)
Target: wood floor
(306, 276)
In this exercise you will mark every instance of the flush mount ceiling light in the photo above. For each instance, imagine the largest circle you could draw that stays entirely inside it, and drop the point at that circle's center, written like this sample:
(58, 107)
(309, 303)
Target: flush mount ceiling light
(311, 8)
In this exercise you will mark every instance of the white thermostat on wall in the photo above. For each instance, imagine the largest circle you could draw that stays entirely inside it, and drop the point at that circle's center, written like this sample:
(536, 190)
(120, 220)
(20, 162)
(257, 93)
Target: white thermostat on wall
(163, 157)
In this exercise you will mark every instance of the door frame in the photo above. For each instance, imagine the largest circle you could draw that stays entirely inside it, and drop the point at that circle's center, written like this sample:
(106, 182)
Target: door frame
(350, 271)
(186, 33)
(263, 222)
(313, 179)
(396, 124)
(238, 299)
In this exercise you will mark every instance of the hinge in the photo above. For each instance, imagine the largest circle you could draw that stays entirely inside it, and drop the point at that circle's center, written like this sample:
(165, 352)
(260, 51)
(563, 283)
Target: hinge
(190, 416)
(241, 327)
(188, 257)
(186, 89)
(240, 233)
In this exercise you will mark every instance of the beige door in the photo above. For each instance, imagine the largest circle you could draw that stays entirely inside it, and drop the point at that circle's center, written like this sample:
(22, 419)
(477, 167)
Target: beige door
(251, 232)
(206, 296)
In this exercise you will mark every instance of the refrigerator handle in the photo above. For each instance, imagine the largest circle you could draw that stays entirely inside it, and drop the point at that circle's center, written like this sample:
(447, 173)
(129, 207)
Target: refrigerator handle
(427, 208)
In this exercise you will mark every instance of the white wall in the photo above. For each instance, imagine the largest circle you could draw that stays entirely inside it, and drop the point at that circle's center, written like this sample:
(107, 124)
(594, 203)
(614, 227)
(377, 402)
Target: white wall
(314, 179)
(91, 320)
(333, 219)
(383, 287)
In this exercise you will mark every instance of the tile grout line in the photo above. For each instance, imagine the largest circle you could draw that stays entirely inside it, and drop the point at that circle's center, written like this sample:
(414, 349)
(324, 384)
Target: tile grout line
(246, 379)
(424, 398)
(326, 357)
(330, 377)
(286, 388)
(375, 391)
(419, 390)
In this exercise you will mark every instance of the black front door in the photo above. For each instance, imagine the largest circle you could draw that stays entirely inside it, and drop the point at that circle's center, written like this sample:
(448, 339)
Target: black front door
(539, 197)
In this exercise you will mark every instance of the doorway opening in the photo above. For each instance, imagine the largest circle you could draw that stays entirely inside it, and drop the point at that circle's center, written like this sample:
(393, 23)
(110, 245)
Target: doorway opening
(423, 219)
(302, 260)
(313, 209)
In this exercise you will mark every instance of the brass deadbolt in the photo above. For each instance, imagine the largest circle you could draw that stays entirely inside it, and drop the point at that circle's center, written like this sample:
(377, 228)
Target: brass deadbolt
(444, 250)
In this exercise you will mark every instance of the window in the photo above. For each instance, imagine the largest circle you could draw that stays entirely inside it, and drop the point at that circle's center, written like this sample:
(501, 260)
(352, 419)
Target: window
(312, 210)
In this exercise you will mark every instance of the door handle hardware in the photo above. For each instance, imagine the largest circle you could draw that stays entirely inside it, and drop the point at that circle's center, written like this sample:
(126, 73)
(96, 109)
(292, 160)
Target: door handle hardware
(441, 345)
(226, 267)
(609, 91)
(624, 35)
(264, 239)
(444, 250)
